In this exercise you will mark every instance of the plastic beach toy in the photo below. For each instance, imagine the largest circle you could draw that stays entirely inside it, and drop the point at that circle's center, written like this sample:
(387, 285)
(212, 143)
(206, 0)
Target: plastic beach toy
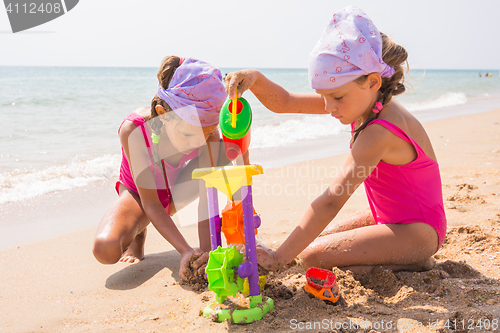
(235, 120)
(232, 222)
(322, 283)
(227, 269)
(262, 284)
(229, 272)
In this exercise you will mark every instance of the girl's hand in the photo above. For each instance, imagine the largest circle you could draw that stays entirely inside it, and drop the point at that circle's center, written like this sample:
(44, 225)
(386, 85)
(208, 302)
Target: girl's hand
(193, 259)
(267, 257)
(185, 269)
(201, 259)
(242, 80)
(241, 247)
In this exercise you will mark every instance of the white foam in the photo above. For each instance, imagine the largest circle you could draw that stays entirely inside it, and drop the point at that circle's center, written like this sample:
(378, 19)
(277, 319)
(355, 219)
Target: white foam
(294, 130)
(23, 184)
(447, 99)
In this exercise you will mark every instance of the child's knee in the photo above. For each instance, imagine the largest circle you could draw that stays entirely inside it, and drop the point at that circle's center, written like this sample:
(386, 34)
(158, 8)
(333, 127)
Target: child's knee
(425, 241)
(106, 251)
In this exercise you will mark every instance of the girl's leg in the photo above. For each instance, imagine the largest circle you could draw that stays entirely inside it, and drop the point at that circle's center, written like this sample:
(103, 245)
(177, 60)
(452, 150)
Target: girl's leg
(135, 252)
(122, 231)
(417, 267)
(403, 246)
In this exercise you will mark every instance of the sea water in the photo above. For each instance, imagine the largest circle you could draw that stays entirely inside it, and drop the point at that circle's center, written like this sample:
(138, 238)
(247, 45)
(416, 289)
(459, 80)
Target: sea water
(59, 125)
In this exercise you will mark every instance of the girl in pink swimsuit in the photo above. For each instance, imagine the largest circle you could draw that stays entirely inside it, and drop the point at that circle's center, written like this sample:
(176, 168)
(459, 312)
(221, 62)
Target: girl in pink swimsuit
(161, 146)
(355, 70)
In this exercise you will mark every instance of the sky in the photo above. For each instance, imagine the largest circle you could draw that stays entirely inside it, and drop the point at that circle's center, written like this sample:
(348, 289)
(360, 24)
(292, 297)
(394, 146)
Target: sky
(438, 34)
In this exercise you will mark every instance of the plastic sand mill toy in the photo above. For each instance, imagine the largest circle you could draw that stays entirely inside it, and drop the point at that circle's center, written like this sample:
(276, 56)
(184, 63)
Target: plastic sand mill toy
(227, 268)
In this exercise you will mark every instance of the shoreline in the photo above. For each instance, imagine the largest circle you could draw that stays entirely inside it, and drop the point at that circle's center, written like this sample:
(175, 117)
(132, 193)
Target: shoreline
(101, 194)
(55, 284)
(84, 166)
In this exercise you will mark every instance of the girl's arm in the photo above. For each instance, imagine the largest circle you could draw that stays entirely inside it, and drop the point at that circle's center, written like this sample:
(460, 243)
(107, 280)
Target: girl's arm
(188, 189)
(205, 161)
(366, 153)
(362, 219)
(162, 221)
(135, 149)
(272, 95)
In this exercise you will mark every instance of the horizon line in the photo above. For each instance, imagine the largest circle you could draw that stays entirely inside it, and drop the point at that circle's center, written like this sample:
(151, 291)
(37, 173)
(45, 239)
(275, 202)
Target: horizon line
(238, 67)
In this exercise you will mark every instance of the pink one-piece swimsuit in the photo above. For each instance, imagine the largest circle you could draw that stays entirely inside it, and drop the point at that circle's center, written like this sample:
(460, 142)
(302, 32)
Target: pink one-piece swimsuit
(407, 193)
(172, 172)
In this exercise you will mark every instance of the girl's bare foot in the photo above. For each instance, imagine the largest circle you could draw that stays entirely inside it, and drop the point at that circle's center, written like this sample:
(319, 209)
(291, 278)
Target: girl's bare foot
(135, 251)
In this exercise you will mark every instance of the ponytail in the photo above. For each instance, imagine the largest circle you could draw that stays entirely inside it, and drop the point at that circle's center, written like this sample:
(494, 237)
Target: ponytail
(395, 56)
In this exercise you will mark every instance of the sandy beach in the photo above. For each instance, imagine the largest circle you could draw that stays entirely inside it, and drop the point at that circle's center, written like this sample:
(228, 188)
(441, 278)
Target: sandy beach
(56, 285)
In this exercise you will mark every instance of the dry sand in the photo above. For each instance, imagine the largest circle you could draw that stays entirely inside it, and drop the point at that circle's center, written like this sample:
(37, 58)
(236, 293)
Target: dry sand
(56, 285)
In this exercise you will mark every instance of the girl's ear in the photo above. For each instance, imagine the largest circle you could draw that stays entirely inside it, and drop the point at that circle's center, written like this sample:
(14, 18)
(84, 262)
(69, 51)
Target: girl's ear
(160, 109)
(374, 81)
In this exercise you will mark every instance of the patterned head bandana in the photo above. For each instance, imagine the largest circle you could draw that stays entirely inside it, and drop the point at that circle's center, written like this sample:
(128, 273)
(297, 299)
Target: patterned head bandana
(350, 47)
(195, 93)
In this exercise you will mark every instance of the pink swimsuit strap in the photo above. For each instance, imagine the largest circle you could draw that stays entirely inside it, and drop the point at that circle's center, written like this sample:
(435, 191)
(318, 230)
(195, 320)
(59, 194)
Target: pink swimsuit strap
(139, 121)
(136, 119)
(398, 132)
(391, 127)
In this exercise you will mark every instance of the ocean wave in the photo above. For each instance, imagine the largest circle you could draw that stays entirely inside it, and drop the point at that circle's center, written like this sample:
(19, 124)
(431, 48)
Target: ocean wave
(294, 130)
(447, 99)
(22, 184)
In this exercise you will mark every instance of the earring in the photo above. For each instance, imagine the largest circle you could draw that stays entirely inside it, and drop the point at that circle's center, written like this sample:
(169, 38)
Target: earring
(378, 107)
(155, 138)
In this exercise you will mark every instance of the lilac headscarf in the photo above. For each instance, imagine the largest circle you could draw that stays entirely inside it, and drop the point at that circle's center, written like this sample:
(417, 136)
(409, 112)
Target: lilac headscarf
(195, 93)
(350, 47)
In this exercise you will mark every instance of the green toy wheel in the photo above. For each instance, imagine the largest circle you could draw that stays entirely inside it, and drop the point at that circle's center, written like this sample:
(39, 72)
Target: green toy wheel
(222, 272)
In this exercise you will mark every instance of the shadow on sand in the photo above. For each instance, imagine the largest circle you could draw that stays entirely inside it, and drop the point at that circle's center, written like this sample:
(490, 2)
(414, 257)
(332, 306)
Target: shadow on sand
(137, 274)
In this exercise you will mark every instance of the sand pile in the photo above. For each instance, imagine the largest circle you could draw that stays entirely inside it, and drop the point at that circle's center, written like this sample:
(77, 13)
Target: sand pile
(452, 294)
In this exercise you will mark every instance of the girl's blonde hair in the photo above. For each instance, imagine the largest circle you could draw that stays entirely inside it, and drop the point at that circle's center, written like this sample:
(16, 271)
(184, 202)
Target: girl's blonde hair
(395, 56)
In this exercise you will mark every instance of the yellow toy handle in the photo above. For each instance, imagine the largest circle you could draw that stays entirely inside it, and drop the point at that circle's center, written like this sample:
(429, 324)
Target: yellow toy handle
(228, 180)
(235, 108)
